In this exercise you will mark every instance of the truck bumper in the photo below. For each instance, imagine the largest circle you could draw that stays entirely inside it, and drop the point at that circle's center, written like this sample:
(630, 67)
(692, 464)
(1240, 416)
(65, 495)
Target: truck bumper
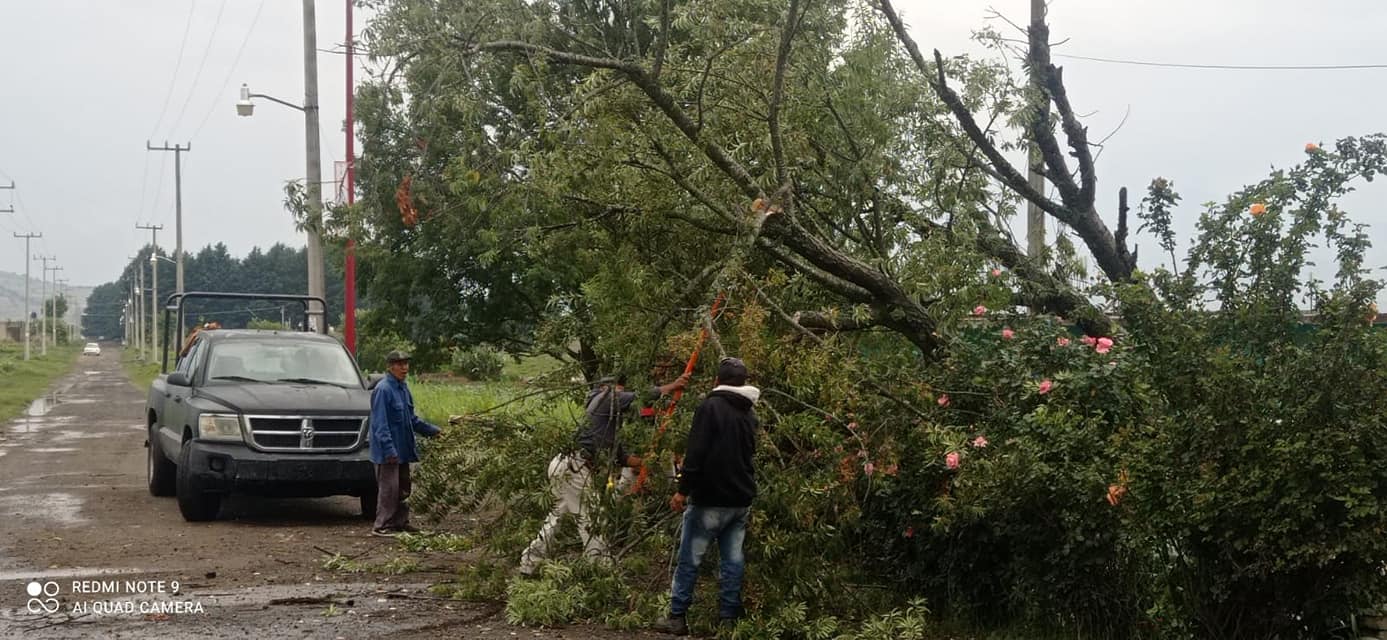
(235, 468)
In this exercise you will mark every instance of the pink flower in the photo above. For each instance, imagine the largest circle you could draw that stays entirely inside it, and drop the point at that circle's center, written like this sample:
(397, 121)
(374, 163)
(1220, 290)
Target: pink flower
(943, 400)
(996, 273)
(909, 532)
(979, 310)
(1008, 334)
(852, 426)
(1089, 340)
(1062, 341)
(869, 469)
(979, 442)
(1045, 386)
(1104, 344)
(951, 461)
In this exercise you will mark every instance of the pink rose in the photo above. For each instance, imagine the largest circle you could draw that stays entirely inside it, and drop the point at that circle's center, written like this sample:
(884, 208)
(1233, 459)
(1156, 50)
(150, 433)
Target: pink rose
(1089, 340)
(943, 400)
(996, 273)
(951, 461)
(852, 426)
(979, 310)
(869, 469)
(1062, 341)
(1104, 344)
(979, 442)
(1045, 386)
(1008, 334)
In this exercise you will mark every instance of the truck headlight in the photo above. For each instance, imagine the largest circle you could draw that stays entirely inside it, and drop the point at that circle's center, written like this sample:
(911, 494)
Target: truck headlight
(214, 426)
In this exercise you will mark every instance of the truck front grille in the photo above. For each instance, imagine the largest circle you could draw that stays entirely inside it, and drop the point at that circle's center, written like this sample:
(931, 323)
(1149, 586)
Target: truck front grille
(306, 433)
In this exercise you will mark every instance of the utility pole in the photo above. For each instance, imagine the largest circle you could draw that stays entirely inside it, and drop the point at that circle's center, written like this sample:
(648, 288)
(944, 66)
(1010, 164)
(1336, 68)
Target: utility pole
(349, 294)
(1035, 218)
(61, 286)
(27, 260)
(139, 304)
(154, 302)
(313, 181)
(178, 205)
(55, 271)
(43, 295)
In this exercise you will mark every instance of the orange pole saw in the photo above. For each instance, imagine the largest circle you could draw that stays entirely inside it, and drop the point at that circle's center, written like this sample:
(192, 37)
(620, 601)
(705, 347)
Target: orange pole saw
(667, 414)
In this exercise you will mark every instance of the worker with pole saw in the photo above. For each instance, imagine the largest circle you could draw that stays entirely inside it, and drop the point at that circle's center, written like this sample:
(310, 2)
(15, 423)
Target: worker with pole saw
(597, 446)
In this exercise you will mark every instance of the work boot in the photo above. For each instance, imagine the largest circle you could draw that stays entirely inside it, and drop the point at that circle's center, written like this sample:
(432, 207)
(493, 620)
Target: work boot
(672, 624)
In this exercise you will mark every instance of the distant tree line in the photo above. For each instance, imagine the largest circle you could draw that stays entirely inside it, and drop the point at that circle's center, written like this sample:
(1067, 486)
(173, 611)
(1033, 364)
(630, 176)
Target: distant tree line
(279, 269)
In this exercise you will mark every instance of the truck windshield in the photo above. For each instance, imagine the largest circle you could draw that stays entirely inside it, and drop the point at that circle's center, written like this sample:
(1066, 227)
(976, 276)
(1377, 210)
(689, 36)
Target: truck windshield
(283, 362)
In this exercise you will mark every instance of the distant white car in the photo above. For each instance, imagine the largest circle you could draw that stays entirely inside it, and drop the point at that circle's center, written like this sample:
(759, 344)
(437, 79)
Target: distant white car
(92, 349)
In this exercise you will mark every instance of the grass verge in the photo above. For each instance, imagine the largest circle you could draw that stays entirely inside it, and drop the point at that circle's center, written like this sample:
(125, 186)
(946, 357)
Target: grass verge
(141, 373)
(25, 381)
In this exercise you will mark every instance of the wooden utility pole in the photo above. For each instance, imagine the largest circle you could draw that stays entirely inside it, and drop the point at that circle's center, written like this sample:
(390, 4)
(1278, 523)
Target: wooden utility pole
(1035, 218)
(28, 259)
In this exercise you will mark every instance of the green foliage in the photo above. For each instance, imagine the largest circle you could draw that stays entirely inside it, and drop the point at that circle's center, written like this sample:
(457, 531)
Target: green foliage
(1213, 471)
(479, 363)
(30, 378)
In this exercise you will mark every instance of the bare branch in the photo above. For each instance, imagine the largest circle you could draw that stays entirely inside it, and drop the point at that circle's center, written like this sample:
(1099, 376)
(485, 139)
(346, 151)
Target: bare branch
(782, 59)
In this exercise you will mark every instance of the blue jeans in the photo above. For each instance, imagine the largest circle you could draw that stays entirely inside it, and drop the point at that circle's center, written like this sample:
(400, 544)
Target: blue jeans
(701, 526)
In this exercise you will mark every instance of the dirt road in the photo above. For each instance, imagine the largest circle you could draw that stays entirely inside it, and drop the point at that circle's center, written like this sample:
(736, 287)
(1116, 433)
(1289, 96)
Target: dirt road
(86, 552)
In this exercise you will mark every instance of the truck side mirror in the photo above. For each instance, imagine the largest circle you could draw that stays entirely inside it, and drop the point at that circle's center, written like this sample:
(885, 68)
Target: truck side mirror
(180, 379)
(373, 380)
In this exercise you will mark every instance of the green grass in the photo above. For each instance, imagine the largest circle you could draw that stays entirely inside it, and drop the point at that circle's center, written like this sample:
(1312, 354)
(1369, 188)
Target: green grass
(25, 381)
(436, 401)
(529, 367)
(141, 373)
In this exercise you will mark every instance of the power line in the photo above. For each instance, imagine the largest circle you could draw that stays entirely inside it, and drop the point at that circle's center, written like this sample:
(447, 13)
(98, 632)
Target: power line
(1232, 67)
(206, 51)
(232, 70)
(192, 7)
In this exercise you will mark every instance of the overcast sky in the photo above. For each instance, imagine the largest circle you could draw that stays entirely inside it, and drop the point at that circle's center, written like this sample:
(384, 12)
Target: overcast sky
(86, 82)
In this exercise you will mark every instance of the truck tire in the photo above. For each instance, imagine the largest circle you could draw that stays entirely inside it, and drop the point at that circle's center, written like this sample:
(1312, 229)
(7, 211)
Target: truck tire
(195, 504)
(160, 471)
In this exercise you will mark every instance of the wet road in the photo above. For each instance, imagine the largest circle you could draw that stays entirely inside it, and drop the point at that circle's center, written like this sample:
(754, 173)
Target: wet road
(86, 552)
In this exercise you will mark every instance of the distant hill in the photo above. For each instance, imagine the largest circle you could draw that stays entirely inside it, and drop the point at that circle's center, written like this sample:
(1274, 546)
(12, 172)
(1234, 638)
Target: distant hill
(12, 296)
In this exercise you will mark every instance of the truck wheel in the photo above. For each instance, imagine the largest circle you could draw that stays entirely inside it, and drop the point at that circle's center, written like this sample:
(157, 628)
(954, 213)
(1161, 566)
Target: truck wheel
(368, 505)
(159, 470)
(195, 504)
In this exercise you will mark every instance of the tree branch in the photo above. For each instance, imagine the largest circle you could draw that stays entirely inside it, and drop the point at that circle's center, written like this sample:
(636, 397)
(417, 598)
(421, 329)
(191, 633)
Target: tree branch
(782, 59)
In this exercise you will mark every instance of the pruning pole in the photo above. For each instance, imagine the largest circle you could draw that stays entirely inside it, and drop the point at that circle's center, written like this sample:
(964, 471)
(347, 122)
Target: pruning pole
(667, 415)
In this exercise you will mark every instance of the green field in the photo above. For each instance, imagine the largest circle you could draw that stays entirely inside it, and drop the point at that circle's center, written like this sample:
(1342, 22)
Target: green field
(25, 381)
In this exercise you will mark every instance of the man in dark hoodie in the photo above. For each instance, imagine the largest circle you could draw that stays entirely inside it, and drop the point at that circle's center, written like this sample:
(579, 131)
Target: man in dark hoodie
(599, 450)
(716, 487)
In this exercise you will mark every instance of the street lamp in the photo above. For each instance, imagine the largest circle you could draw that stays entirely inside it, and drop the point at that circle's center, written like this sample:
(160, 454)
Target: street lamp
(313, 195)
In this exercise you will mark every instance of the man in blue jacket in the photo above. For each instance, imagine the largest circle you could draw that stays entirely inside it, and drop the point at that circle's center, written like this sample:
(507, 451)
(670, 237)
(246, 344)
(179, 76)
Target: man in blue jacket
(393, 424)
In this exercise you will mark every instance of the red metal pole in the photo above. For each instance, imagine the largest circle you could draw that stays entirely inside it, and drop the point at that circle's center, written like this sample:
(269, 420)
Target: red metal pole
(350, 302)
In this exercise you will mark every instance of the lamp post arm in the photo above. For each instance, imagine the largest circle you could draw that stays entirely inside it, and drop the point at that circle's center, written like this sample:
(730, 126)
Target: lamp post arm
(274, 99)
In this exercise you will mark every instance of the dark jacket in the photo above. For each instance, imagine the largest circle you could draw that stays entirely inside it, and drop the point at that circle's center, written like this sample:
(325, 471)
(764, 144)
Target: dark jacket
(393, 423)
(718, 469)
(606, 409)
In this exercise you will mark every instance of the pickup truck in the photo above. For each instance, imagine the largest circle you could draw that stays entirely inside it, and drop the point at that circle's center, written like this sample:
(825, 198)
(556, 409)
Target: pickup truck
(257, 412)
